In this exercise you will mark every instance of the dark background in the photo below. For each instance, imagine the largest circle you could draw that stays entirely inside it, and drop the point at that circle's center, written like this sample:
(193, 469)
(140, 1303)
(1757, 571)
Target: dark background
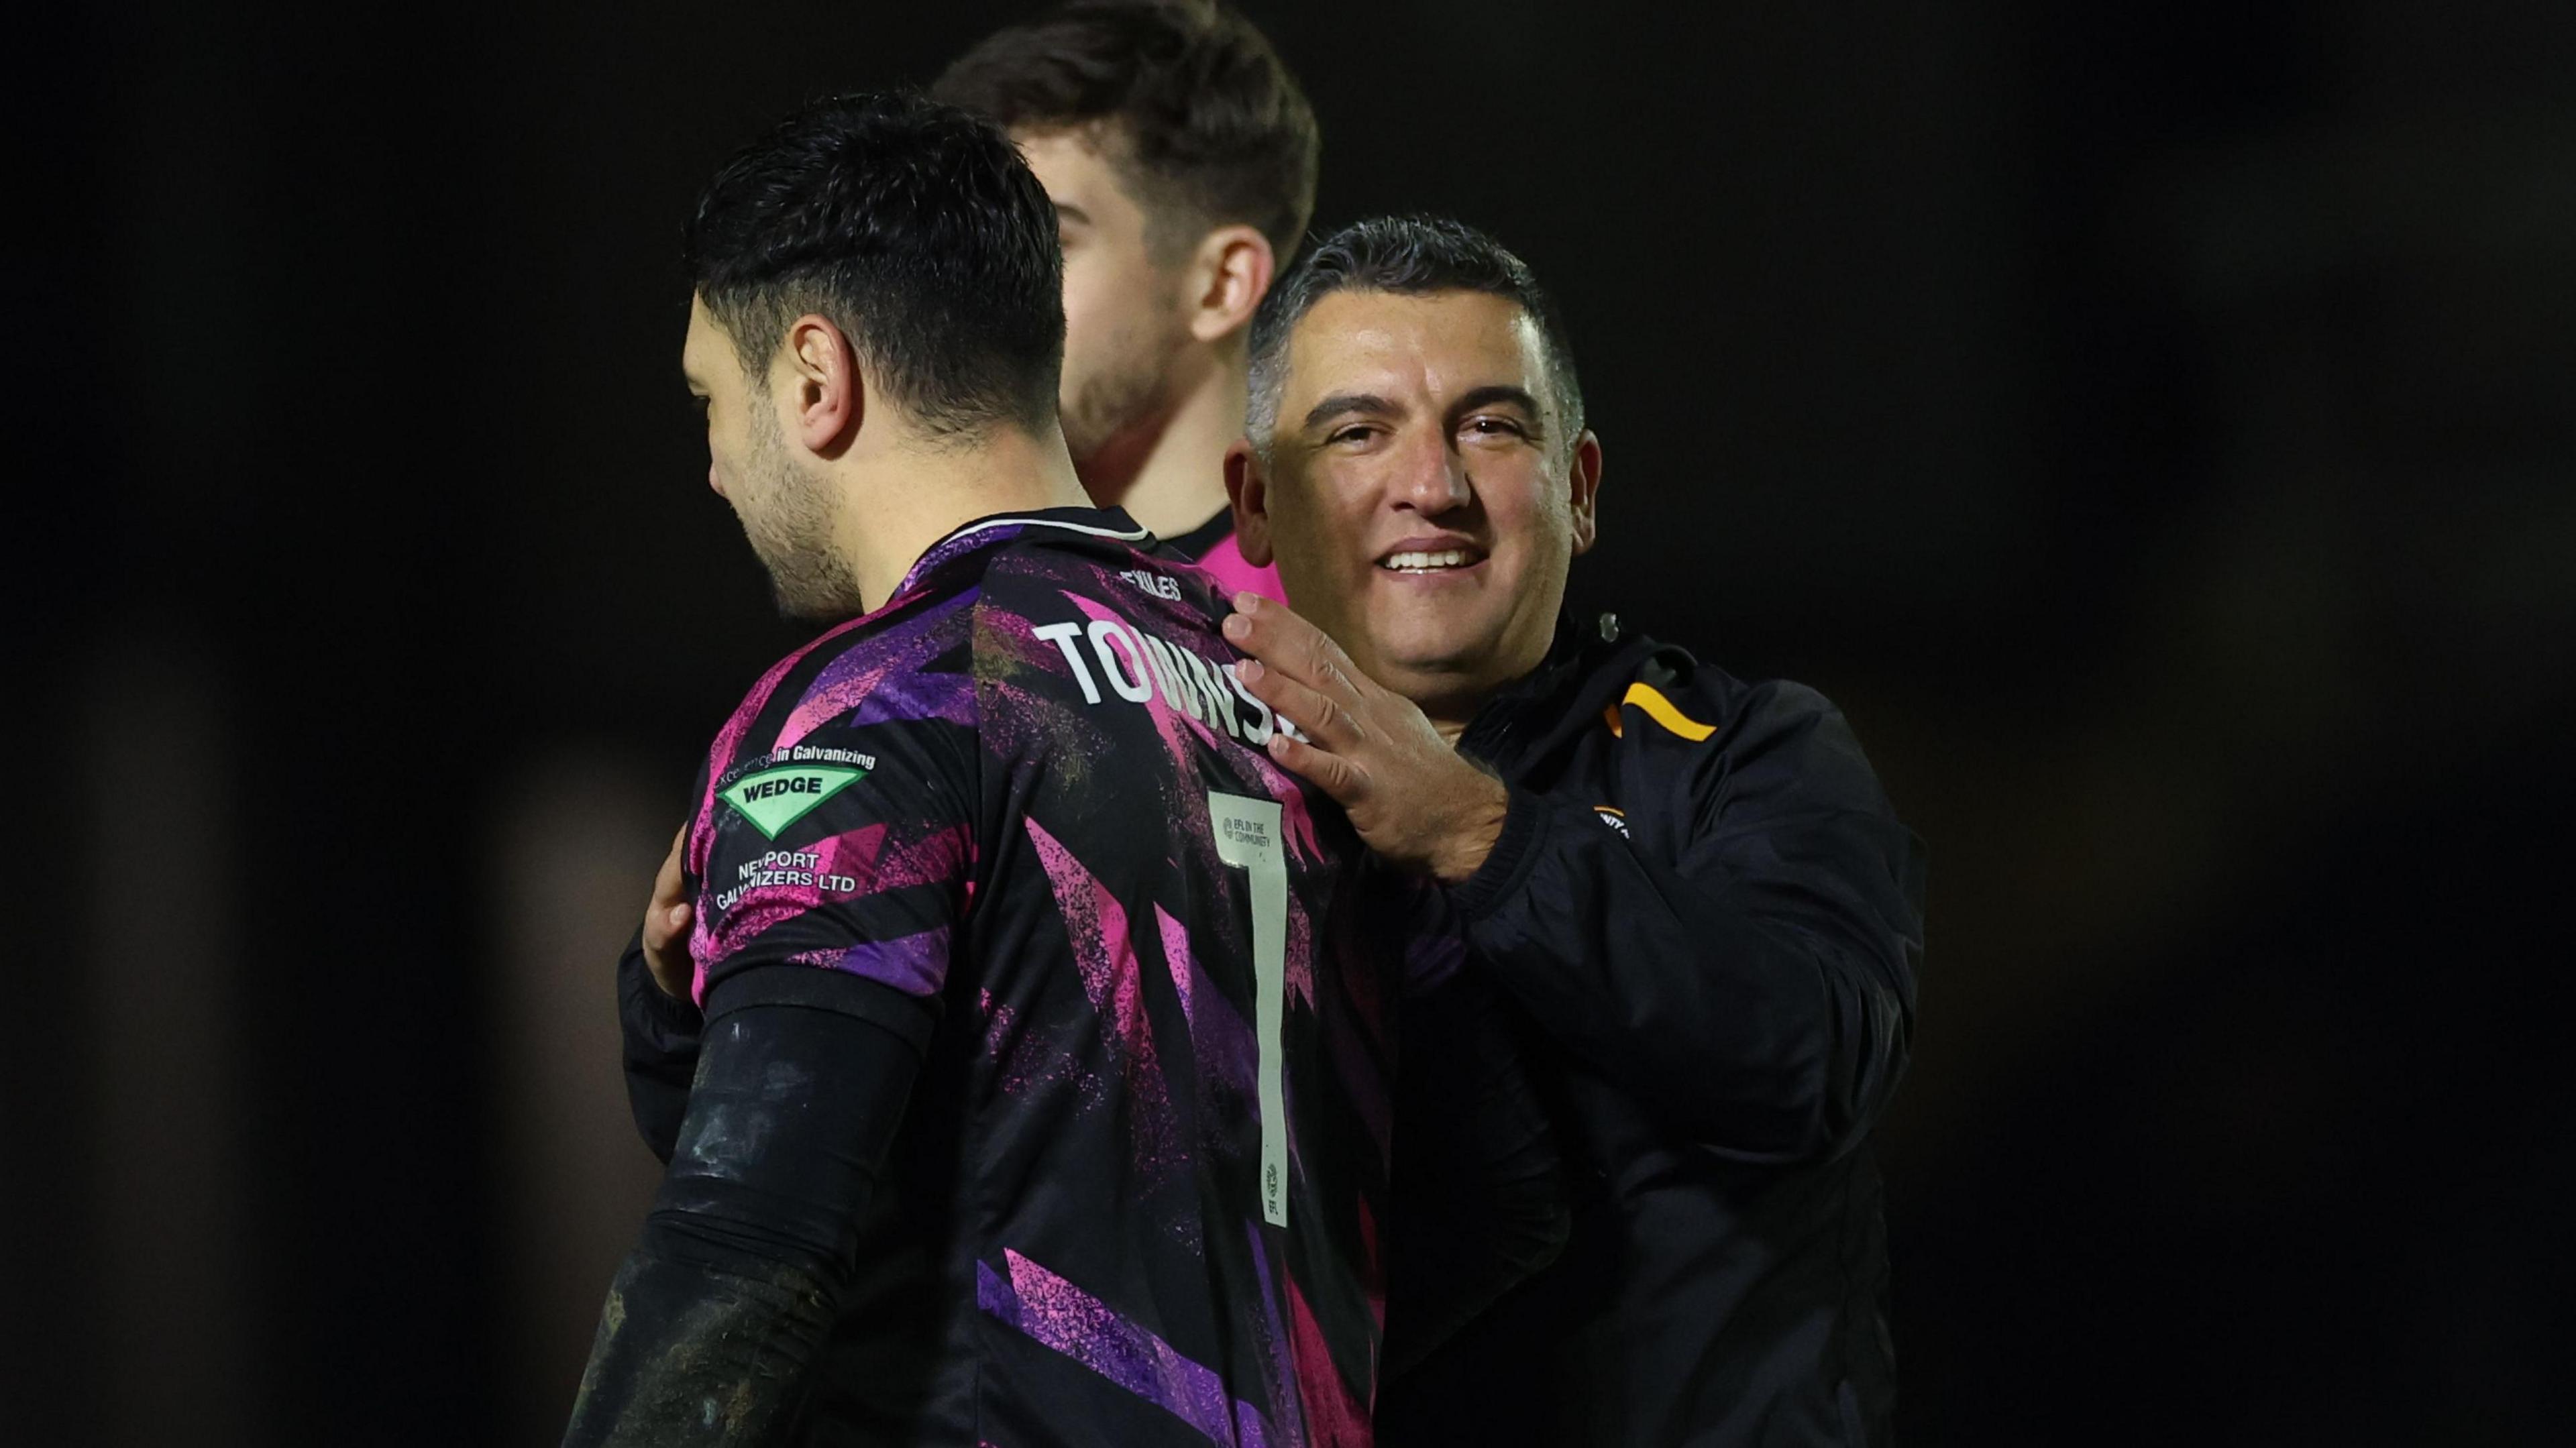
(2152, 423)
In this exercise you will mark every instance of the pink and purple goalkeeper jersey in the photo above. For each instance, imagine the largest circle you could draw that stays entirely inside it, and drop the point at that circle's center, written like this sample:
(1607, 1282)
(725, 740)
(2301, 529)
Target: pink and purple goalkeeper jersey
(1022, 817)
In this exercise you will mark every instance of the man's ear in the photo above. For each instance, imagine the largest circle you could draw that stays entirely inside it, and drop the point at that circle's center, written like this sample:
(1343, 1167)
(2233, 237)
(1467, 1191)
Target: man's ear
(1228, 275)
(1583, 485)
(1247, 487)
(821, 395)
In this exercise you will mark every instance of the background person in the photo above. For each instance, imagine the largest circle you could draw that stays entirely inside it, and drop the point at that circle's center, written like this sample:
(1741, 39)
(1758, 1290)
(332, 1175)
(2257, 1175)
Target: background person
(1181, 157)
(1694, 886)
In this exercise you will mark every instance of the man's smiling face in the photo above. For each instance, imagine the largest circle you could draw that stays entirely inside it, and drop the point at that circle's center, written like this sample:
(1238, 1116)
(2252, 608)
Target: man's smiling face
(1424, 505)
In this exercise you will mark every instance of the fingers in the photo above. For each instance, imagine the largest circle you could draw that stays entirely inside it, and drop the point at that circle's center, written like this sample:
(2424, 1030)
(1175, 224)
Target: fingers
(1321, 717)
(1328, 772)
(666, 916)
(1326, 664)
(1303, 675)
(666, 925)
(666, 952)
(1276, 635)
(669, 881)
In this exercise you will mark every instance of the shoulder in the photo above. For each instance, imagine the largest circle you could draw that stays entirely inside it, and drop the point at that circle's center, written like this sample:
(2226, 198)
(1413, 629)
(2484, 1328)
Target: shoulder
(906, 662)
(1035, 587)
(887, 689)
(1762, 747)
(1058, 561)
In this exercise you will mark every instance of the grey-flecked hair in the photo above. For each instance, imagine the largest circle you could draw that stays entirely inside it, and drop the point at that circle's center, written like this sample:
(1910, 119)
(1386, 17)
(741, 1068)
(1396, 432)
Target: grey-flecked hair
(1409, 256)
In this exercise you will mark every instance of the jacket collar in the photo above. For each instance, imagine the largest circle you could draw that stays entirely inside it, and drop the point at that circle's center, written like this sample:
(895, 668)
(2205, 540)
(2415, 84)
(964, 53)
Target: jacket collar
(1588, 665)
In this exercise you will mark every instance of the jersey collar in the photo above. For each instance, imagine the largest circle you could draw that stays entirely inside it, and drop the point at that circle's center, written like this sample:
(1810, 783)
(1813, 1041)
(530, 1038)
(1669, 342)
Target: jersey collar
(977, 534)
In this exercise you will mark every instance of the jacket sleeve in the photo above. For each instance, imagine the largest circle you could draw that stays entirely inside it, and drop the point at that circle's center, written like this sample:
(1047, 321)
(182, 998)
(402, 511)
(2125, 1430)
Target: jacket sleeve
(1756, 986)
(1477, 1196)
(660, 1037)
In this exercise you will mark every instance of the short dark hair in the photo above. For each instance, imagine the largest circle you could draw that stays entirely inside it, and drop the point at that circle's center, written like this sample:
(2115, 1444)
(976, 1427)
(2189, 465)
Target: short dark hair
(1409, 256)
(1212, 128)
(918, 230)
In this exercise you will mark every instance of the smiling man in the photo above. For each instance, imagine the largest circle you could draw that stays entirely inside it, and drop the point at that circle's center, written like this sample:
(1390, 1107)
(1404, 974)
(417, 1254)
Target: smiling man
(1692, 885)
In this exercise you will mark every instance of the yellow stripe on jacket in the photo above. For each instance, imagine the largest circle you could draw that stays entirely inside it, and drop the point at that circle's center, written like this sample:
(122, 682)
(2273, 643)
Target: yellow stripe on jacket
(1661, 710)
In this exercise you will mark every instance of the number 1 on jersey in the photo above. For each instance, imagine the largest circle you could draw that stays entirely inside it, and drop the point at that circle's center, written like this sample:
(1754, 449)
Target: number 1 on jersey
(1247, 837)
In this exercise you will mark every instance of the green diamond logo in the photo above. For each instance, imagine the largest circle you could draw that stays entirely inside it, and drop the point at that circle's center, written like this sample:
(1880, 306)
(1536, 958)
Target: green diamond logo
(776, 798)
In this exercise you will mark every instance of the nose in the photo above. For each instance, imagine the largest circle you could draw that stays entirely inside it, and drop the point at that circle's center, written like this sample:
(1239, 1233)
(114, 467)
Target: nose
(1433, 479)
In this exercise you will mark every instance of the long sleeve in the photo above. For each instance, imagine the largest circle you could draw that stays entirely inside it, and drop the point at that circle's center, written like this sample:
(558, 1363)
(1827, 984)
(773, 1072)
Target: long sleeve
(711, 1323)
(1754, 982)
(1478, 1197)
(660, 1047)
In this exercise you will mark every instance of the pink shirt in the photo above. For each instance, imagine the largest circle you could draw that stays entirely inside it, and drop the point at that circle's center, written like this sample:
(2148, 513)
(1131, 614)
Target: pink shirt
(1227, 562)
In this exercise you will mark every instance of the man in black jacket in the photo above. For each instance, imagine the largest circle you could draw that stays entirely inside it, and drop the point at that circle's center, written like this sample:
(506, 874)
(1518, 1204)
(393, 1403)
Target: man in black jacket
(1693, 886)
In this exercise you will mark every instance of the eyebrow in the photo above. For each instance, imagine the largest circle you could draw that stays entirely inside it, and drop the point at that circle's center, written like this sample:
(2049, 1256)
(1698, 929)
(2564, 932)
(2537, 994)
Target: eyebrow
(1495, 392)
(1342, 402)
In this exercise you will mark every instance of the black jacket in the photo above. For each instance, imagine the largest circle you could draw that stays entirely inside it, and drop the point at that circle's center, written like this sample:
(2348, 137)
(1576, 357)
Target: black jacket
(1712, 920)
(1713, 941)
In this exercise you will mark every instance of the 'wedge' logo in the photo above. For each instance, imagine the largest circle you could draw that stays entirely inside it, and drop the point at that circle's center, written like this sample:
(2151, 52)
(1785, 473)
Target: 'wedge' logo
(776, 798)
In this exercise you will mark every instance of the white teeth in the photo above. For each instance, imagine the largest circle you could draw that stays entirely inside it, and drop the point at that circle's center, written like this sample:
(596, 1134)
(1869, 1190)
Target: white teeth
(1423, 562)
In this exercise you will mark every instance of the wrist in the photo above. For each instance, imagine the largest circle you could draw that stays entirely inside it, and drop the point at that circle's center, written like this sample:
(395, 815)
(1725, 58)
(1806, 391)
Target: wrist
(1470, 840)
(1506, 869)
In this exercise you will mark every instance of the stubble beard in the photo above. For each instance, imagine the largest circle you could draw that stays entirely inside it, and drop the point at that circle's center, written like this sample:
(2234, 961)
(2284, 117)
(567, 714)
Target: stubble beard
(791, 530)
(1123, 396)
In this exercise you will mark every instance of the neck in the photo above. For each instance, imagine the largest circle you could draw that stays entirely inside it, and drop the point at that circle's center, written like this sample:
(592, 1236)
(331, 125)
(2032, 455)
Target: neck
(1169, 472)
(1451, 712)
(896, 505)
(1448, 701)
(1451, 701)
